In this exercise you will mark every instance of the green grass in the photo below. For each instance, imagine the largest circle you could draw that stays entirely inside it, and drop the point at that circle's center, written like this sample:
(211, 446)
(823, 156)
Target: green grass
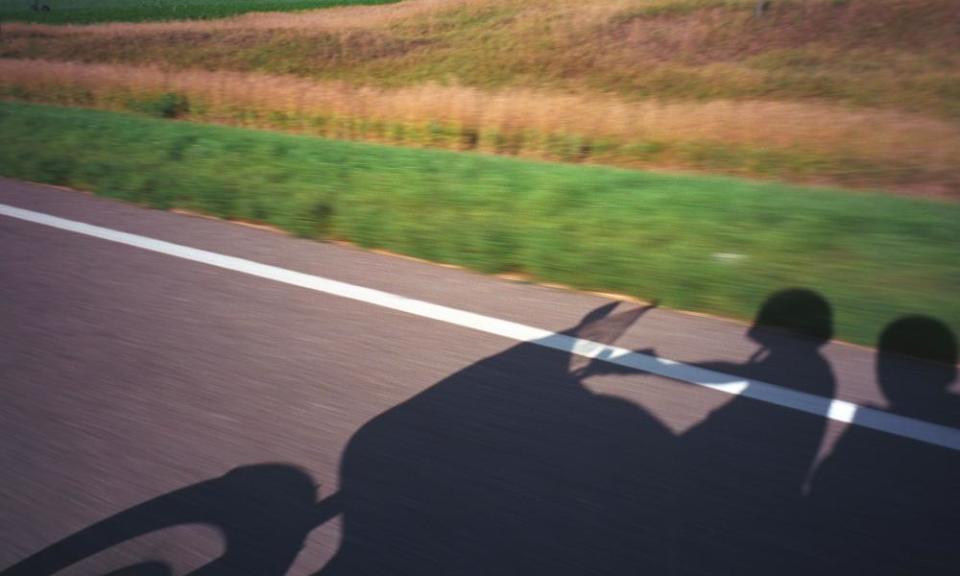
(89, 11)
(874, 257)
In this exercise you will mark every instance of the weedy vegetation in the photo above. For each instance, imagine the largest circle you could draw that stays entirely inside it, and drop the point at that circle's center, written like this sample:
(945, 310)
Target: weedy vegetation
(796, 140)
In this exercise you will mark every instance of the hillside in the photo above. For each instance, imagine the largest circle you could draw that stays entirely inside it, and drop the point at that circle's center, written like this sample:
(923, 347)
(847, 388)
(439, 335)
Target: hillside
(857, 92)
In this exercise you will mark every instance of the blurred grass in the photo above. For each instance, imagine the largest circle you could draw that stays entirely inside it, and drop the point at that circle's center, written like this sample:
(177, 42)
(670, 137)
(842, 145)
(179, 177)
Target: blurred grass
(875, 257)
(89, 11)
(800, 142)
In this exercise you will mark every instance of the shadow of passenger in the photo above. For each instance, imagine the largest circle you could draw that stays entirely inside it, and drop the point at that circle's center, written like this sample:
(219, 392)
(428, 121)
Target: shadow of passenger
(887, 504)
(513, 466)
(510, 466)
(745, 466)
(264, 513)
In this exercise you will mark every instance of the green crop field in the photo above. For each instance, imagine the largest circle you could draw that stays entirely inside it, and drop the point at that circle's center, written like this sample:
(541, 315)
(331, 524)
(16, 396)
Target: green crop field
(704, 243)
(89, 11)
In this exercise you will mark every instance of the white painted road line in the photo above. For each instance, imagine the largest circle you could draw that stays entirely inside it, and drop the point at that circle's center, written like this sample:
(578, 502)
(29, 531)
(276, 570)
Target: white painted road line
(838, 410)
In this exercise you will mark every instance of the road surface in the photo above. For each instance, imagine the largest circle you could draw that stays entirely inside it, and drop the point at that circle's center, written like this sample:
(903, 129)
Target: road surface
(184, 395)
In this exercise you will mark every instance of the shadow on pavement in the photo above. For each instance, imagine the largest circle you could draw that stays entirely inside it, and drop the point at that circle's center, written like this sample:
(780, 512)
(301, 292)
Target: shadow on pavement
(264, 513)
(510, 466)
(744, 468)
(886, 502)
(513, 466)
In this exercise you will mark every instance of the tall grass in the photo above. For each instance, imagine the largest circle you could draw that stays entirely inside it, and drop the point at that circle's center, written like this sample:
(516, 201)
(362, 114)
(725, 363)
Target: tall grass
(802, 140)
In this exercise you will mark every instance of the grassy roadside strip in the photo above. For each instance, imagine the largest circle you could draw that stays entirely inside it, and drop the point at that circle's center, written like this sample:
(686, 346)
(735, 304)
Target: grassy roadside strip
(714, 244)
(90, 11)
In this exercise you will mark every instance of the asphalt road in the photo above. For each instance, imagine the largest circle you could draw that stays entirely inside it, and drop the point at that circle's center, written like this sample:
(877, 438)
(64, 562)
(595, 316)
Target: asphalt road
(166, 416)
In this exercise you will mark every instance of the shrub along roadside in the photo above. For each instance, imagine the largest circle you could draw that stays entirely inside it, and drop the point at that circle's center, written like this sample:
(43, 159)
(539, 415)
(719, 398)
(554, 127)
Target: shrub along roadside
(671, 237)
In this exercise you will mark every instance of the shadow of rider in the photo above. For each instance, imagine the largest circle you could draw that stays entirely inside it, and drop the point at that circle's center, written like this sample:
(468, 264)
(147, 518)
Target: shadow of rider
(264, 513)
